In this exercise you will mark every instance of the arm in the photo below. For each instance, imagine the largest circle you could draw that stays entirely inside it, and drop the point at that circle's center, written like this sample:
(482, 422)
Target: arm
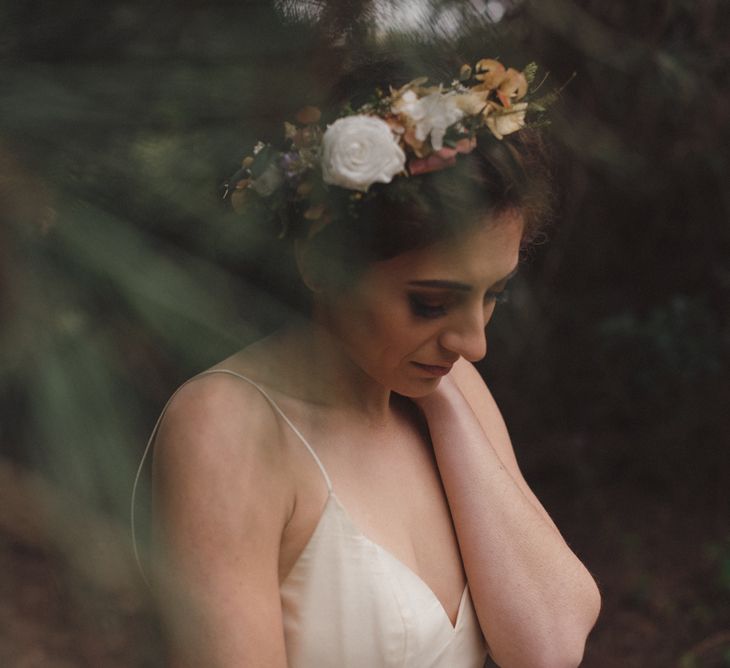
(535, 601)
(221, 501)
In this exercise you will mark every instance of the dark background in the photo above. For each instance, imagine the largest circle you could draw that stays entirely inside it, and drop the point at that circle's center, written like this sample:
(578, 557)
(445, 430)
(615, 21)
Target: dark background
(121, 275)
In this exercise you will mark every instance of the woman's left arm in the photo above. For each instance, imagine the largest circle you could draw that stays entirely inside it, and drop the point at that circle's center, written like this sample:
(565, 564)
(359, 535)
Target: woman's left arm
(535, 601)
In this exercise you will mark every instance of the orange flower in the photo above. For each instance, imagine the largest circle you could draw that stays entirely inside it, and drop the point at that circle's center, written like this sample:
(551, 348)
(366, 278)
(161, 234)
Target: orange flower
(512, 87)
(490, 72)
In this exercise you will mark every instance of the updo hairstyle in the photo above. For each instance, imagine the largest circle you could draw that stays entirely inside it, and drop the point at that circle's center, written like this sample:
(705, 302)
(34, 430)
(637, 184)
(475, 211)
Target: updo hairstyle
(497, 176)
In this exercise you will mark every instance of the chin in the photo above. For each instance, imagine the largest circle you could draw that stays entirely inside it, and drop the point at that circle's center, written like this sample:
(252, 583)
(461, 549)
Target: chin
(418, 389)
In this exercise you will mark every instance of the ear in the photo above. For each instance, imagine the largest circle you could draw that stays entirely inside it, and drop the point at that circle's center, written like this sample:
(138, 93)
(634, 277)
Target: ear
(307, 265)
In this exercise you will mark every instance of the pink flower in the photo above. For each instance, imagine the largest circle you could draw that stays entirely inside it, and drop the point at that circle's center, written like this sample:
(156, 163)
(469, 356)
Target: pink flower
(441, 159)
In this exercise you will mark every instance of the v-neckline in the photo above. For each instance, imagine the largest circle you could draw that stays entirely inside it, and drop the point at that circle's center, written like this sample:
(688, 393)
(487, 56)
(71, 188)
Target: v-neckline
(455, 624)
(332, 497)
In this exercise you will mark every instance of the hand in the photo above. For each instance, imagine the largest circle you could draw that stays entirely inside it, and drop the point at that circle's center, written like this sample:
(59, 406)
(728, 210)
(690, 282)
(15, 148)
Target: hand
(446, 395)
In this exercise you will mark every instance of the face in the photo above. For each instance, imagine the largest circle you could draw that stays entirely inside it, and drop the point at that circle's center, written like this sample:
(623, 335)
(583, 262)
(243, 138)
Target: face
(409, 319)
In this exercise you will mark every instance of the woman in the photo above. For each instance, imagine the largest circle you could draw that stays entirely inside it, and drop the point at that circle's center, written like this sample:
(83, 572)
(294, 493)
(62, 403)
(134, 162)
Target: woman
(344, 492)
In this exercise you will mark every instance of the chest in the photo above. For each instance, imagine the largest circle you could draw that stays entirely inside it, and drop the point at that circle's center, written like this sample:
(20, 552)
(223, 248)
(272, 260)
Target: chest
(387, 482)
(348, 602)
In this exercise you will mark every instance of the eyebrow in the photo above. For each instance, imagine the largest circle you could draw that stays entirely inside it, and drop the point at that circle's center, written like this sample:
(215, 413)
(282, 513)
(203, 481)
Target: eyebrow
(456, 285)
(443, 285)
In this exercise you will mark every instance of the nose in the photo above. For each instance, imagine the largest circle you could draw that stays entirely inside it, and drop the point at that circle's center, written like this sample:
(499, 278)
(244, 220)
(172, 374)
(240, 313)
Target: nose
(467, 335)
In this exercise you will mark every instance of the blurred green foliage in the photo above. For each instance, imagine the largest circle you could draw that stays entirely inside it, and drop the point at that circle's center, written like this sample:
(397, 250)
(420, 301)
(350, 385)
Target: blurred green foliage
(122, 274)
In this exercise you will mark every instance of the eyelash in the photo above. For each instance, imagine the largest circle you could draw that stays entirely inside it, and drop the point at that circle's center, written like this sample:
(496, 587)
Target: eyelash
(499, 297)
(422, 309)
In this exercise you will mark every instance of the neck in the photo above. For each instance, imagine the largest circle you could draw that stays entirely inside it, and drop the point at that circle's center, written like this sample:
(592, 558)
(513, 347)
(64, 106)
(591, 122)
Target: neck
(320, 371)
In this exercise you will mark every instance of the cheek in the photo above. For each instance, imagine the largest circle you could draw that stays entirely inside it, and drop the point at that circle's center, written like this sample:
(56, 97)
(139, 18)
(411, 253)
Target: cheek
(382, 334)
(387, 333)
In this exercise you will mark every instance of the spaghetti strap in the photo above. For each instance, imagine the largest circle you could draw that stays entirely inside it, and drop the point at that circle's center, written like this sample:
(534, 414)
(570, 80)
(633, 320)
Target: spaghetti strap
(148, 447)
(283, 416)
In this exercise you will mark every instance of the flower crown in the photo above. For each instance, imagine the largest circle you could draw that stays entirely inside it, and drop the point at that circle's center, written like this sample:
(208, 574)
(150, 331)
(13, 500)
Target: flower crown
(411, 130)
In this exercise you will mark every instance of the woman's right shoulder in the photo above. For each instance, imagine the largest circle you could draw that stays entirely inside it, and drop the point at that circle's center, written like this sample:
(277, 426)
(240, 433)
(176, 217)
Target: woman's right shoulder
(220, 419)
(220, 397)
(222, 496)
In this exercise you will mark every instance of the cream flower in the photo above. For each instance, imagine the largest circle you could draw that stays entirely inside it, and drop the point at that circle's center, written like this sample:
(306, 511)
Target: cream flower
(471, 103)
(507, 122)
(431, 114)
(358, 151)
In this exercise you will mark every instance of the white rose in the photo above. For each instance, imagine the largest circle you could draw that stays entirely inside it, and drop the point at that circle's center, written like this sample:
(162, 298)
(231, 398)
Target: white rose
(358, 151)
(431, 114)
(269, 180)
(509, 121)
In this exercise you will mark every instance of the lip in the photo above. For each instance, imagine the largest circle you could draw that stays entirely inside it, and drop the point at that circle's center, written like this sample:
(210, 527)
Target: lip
(433, 369)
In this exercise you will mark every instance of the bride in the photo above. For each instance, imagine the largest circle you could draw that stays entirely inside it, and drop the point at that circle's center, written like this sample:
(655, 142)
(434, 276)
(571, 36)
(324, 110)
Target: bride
(344, 492)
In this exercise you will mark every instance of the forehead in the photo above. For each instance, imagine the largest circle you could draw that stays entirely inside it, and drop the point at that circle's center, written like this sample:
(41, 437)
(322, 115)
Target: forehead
(484, 253)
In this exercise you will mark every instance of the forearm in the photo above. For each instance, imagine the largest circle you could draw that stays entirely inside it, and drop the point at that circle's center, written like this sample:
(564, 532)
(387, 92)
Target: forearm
(535, 600)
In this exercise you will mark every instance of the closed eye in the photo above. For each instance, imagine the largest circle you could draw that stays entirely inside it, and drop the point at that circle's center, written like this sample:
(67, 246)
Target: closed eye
(426, 308)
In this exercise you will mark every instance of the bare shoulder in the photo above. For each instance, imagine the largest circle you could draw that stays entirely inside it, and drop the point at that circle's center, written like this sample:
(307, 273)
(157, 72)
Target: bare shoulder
(222, 496)
(219, 421)
(216, 410)
(220, 458)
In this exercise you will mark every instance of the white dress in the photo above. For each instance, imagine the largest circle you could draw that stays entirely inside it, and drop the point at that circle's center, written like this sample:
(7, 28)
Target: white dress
(349, 603)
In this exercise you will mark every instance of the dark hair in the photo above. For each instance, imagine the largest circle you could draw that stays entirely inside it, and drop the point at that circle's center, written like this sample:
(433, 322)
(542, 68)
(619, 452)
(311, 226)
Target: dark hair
(497, 176)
